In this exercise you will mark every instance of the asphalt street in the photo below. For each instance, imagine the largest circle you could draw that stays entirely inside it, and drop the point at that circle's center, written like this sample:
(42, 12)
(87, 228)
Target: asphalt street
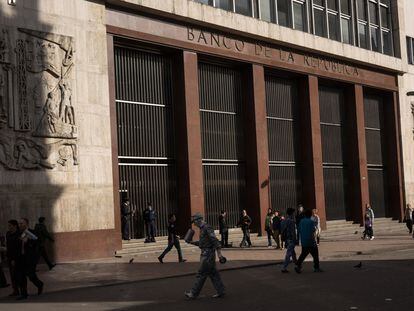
(377, 285)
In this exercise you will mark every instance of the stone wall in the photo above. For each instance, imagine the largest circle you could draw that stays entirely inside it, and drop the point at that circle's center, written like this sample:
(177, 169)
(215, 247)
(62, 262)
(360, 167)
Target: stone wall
(55, 143)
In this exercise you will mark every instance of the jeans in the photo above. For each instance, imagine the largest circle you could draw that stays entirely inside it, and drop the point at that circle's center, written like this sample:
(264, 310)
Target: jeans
(125, 228)
(246, 237)
(306, 250)
(290, 253)
(150, 227)
(276, 237)
(409, 224)
(208, 269)
(269, 236)
(175, 243)
(224, 238)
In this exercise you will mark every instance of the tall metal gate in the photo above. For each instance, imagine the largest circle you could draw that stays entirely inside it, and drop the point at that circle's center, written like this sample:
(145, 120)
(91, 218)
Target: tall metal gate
(146, 156)
(222, 141)
(283, 141)
(332, 117)
(374, 127)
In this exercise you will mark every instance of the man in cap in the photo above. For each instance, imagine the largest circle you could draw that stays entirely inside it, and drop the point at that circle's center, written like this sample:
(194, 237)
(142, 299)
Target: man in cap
(209, 245)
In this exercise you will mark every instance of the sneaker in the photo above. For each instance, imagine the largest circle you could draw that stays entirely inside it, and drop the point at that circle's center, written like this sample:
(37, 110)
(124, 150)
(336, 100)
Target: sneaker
(372, 238)
(218, 295)
(317, 270)
(269, 246)
(182, 260)
(22, 297)
(298, 270)
(189, 295)
(52, 266)
(362, 238)
(160, 260)
(284, 271)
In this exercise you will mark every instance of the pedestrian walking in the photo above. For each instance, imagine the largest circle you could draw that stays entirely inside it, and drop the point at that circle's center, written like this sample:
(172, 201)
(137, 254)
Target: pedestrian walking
(12, 253)
(224, 229)
(244, 223)
(317, 221)
(126, 219)
(173, 240)
(409, 217)
(268, 227)
(209, 245)
(28, 255)
(43, 235)
(276, 228)
(299, 217)
(150, 216)
(308, 241)
(288, 235)
(368, 223)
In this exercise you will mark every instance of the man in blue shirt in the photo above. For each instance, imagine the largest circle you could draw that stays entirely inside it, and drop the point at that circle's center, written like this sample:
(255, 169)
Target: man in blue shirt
(308, 240)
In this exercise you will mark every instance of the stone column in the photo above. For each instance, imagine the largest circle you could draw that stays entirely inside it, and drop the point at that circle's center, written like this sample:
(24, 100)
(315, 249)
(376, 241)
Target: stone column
(357, 154)
(188, 139)
(311, 147)
(393, 157)
(257, 152)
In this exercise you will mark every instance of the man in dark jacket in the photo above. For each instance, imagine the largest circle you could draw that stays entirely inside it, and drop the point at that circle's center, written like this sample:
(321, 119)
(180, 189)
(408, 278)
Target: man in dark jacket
(224, 229)
(276, 222)
(12, 246)
(125, 219)
(244, 223)
(28, 256)
(149, 218)
(43, 235)
(173, 240)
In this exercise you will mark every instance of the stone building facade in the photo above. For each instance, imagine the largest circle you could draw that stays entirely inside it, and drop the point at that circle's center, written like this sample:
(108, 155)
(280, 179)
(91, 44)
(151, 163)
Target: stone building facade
(201, 106)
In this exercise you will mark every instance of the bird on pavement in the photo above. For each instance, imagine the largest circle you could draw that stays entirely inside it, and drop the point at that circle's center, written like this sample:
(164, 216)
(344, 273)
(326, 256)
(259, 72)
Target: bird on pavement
(358, 266)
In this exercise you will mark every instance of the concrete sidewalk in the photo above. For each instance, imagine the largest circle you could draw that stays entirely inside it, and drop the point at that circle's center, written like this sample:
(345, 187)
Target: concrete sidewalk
(110, 271)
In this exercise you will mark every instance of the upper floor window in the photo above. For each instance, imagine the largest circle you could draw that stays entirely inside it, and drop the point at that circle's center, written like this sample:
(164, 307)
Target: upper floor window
(410, 50)
(364, 23)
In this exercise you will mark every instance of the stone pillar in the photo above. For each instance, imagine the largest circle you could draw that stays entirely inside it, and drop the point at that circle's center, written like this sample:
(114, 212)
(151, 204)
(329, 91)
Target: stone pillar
(357, 154)
(393, 157)
(257, 152)
(311, 147)
(188, 139)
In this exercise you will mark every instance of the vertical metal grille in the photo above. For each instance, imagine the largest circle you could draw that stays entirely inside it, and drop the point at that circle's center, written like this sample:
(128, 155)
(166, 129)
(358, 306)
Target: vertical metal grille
(222, 141)
(332, 117)
(146, 156)
(374, 126)
(282, 129)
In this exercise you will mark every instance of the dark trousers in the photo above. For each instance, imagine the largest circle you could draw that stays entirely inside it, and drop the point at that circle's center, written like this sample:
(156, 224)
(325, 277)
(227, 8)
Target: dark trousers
(269, 236)
(150, 227)
(175, 243)
(409, 224)
(368, 232)
(125, 228)
(306, 250)
(45, 257)
(13, 276)
(26, 268)
(208, 269)
(277, 238)
(224, 238)
(246, 237)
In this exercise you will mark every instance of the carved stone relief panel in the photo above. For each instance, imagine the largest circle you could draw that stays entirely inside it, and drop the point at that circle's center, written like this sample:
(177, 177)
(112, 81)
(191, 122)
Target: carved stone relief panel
(38, 128)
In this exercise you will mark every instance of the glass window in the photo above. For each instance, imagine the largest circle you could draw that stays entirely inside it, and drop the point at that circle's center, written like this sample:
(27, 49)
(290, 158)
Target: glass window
(363, 35)
(299, 16)
(283, 12)
(375, 39)
(319, 2)
(320, 25)
(346, 30)
(384, 17)
(333, 26)
(410, 50)
(244, 7)
(362, 9)
(387, 42)
(266, 10)
(209, 2)
(345, 8)
(332, 5)
(373, 13)
(225, 4)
